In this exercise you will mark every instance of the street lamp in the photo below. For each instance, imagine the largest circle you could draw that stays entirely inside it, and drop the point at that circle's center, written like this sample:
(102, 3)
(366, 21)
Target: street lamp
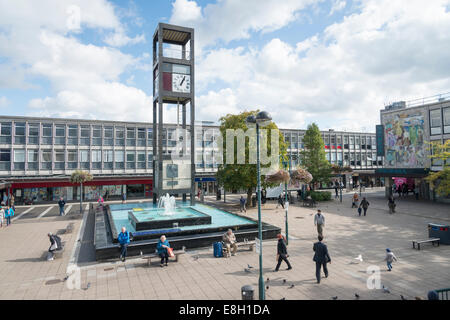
(285, 164)
(261, 119)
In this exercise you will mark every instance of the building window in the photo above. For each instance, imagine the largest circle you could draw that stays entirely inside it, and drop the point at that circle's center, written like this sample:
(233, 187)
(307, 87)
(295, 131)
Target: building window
(150, 160)
(5, 159)
(131, 158)
(435, 121)
(33, 133)
(140, 160)
(46, 158)
(5, 133)
(72, 159)
(108, 159)
(85, 135)
(59, 159)
(446, 112)
(120, 134)
(150, 134)
(96, 159)
(19, 133)
(119, 159)
(108, 139)
(60, 134)
(33, 159)
(72, 134)
(131, 137)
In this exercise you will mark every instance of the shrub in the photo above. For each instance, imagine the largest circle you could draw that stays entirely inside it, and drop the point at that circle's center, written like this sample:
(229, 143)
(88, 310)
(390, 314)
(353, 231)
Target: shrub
(320, 195)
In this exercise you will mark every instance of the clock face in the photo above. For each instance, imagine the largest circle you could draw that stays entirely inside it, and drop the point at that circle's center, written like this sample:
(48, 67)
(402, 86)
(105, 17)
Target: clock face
(181, 83)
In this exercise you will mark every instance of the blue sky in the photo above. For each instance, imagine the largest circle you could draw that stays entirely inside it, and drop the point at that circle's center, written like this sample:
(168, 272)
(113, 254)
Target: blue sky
(333, 62)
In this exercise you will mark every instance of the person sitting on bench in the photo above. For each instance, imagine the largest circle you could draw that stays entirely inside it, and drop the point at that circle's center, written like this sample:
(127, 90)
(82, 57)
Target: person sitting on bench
(229, 239)
(163, 247)
(55, 244)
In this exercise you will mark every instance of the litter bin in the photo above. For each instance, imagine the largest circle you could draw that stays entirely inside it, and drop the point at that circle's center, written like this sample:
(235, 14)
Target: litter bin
(439, 231)
(254, 201)
(247, 292)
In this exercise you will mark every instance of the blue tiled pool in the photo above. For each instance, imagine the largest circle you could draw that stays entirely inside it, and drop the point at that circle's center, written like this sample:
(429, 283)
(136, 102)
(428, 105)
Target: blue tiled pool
(148, 211)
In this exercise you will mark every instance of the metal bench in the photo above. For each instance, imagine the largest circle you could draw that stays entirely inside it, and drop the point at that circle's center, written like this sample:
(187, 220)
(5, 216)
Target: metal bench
(309, 202)
(419, 242)
(151, 256)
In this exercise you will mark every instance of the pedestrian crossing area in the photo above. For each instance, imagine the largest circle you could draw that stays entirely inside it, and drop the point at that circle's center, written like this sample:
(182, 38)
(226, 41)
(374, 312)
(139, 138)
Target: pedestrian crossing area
(39, 212)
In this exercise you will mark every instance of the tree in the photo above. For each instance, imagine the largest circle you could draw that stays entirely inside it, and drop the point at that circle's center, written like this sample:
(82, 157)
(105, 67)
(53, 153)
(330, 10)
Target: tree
(80, 177)
(243, 176)
(313, 156)
(440, 180)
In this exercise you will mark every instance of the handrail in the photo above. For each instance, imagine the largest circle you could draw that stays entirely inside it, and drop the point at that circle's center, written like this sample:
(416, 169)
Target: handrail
(428, 100)
(442, 292)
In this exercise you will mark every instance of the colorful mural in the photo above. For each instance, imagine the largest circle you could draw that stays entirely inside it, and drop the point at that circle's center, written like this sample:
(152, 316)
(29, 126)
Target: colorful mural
(404, 139)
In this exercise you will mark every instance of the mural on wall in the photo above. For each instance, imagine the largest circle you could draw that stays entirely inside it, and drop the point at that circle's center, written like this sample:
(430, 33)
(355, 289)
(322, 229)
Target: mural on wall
(404, 139)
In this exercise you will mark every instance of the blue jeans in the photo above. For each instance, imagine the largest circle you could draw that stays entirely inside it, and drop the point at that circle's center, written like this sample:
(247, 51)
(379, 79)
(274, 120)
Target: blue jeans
(61, 211)
(123, 250)
(389, 265)
(8, 220)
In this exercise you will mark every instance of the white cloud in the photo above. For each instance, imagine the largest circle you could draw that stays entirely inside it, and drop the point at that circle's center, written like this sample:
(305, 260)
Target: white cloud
(337, 6)
(38, 41)
(340, 78)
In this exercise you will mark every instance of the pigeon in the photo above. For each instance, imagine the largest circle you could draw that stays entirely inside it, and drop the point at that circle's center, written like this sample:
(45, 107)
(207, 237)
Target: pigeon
(249, 266)
(418, 298)
(359, 258)
(385, 289)
(267, 287)
(65, 278)
(403, 298)
(247, 270)
(283, 298)
(284, 281)
(268, 280)
(291, 286)
(334, 298)
(356, 296)
(196, 258)
(88, 286)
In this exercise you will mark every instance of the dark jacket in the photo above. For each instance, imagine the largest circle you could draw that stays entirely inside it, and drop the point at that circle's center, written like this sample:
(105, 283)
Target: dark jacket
(281, 247)
(61, 203)
(54, 239)
(321, 253)
(364, 204)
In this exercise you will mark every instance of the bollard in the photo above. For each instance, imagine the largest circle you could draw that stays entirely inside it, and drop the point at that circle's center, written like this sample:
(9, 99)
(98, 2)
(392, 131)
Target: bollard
(247, 292)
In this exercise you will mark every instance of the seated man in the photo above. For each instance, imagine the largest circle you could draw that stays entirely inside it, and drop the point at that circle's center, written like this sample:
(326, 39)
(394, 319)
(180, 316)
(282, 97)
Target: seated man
(229, 239)
(55, 244)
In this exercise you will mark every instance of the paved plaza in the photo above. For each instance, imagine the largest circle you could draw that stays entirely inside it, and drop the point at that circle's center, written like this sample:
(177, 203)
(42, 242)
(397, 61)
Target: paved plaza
(26, 275)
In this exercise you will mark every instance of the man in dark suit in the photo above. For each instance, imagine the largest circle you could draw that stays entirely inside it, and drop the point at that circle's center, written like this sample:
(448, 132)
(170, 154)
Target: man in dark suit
(321, 257)
(282, 254)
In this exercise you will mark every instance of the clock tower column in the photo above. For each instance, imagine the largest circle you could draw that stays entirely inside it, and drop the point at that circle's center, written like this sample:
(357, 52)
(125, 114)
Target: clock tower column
(173, 83)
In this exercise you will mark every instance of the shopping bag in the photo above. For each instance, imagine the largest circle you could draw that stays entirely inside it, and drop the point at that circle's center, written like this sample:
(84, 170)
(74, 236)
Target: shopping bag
(170, 252)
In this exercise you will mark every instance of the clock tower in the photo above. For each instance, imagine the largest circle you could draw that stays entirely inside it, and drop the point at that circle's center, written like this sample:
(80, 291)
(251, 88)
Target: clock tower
(173, 84)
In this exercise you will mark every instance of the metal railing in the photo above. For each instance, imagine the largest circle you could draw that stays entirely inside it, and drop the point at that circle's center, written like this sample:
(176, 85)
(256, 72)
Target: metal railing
(427, 100)
(443, 293)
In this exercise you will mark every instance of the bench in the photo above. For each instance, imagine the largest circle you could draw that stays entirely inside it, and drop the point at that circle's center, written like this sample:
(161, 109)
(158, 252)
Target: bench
(309, 202)
(250, 244)
(151, 256)
(419, 242)
(69, 227)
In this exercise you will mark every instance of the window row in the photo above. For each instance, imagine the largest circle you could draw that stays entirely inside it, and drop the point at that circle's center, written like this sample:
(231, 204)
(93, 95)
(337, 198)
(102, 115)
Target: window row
(440, 121)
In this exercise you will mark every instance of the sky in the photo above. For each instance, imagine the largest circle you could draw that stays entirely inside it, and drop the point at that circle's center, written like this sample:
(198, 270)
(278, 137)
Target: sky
(332, 62)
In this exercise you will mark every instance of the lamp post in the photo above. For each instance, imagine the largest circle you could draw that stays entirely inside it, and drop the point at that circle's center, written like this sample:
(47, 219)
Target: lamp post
(261, 119)
(285, 164)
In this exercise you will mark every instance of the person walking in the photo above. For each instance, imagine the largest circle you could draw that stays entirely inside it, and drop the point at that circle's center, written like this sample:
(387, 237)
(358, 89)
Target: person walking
(280, 202)
(124, 197)
(355, 200)
(2, 216)
(364, 204)
(336, 192)
(399, 191)
(242, 202)
(282, 254)
(163, 247)
(391, 204)
(61, 204)
(416, 192)
(13, 200)
(319, 222)
(55, 244)
(321, 258)
(8, 214)
(390, 257)
(229, 239)
(124, 239)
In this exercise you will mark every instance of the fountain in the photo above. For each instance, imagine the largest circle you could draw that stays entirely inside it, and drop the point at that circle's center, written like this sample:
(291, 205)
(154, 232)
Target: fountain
(168, 203)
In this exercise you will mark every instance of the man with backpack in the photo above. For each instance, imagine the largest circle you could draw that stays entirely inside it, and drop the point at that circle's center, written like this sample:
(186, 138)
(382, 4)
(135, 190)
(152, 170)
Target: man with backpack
(55, 244)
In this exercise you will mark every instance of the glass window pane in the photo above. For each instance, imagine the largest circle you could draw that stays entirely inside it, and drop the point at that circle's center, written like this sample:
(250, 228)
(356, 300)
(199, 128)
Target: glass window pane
(60, 130)
(59, 155)
(119, 156)
(108, 132)
(33, 155)
(46, 155)
(84, 156)
(130, 156)
(108, 156)
(73, 131)
(85, 131)
(5, 129)
(182, 69)
(19, 155)
(33, 130)
(19, 128)
(47, 130)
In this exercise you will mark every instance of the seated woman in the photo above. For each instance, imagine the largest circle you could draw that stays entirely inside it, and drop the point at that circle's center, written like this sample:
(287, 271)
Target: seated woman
(162, 247)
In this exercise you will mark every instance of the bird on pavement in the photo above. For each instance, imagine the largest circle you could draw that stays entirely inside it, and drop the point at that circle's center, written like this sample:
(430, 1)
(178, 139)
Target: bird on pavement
(249, 266)
(334, 298)
(291, 286)
(356, 296)
(385, 289)
(196, 257)
(247, 270)
(284, 281)
(283, 298)
(359, 258)
(88, 286)
(403, 298)
(267, 287)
